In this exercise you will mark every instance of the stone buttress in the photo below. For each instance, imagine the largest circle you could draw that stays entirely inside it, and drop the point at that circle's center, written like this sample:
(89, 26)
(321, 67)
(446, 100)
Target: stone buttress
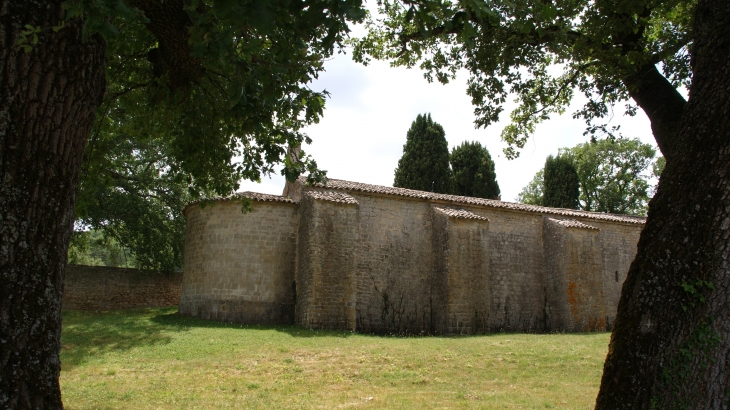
(573, 266)
(326, 258)
(460, 284)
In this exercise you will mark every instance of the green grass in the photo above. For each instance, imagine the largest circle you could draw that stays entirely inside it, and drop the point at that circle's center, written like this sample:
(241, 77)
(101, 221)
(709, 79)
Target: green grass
(156, 359)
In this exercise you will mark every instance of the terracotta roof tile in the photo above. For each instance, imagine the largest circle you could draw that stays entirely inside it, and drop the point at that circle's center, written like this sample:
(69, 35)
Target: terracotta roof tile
(572, 223)
(459, 213)
(254, 196)
(411, 193)
(331, 196)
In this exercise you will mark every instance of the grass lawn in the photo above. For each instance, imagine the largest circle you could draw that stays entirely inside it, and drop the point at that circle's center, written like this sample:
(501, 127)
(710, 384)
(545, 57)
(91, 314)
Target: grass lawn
(155, 359)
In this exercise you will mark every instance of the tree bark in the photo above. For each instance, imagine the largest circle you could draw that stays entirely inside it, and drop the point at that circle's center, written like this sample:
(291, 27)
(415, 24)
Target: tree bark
(48, 97)
(171, 24)
(670, 346)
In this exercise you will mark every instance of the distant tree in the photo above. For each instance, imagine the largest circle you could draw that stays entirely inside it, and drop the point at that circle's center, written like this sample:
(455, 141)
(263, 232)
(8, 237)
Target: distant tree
(532, 193)
(561, 187)
(93, 248)
(613, 174)
(425, 162)
(658, 167)
(656, 172)
(473, 171)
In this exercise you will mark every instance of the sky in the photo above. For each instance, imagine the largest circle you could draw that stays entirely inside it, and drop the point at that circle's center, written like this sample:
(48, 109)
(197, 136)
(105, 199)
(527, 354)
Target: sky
(361, 135)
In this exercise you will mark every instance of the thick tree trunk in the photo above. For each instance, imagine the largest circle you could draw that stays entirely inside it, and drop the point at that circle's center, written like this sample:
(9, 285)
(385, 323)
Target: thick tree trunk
(48, 97)
(670, 346)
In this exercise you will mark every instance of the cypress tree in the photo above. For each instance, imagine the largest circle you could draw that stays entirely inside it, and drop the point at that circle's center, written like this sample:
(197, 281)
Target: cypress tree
(560, 183)
(473, 171)
(425, 162)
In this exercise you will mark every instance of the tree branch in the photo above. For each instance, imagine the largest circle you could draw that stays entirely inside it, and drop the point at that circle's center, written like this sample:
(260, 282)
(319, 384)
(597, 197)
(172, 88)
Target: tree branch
(661, 102)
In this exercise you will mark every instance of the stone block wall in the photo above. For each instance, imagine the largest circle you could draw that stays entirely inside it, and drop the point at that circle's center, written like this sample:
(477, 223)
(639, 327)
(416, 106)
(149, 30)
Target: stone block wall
(395, 261)
(109, 288)
(516, 281)
(386, 260)
(574, 272)
(584, 274)
(461, 293)
(325, 276)
(239, 267)
(397, 292)
(618, 250)
(556, 309)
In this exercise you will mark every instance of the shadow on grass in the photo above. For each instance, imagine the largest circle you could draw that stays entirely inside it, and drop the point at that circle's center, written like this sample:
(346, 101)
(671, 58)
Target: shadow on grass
(174, 319)
(89, 334)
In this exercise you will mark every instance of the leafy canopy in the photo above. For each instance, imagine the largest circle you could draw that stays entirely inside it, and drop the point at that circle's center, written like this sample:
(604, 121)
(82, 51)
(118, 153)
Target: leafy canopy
(473, 171)
(540, 52)
(201, 94)
(235, 89)
(425, 162)
(132, 192)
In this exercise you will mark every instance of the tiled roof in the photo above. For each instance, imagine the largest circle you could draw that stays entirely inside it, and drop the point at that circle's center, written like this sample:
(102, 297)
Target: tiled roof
(459, 213)
(254, 196)
(572, 223)
(331, 196)
(411, 193)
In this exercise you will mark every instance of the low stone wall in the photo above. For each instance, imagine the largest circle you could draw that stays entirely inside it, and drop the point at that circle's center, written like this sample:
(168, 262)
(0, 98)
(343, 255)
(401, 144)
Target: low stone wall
(107, 288)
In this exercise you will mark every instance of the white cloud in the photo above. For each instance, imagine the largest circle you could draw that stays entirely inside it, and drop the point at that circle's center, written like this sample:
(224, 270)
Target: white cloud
(361, 136)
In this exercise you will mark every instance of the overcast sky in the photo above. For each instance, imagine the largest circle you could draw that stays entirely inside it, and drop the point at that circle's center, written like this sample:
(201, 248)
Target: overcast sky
(361, 136)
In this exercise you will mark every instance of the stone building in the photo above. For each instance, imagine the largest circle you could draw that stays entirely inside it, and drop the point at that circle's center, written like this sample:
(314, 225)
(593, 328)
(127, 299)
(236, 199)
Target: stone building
(390, 260)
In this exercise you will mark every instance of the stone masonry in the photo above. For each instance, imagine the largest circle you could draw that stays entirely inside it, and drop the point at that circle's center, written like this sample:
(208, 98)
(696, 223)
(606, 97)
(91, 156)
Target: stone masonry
(108, 288)
(378, 259)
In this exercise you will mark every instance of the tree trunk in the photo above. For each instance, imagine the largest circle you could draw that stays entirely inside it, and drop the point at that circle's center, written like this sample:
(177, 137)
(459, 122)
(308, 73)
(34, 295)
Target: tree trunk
(48, 96)
(670, 347)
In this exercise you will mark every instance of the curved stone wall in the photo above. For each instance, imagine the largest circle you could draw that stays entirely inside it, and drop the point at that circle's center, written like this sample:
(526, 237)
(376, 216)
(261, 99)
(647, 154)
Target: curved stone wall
(240, 267)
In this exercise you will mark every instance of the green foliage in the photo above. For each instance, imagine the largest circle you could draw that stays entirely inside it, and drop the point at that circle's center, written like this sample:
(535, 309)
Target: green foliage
(28, 38)
(133, 191)
(696, 291)
(658, 167)
(93, 248)
(541, 52)
(532, 193)
(560, 182)
(612, 174)
(656, 171)
(473, 171)
(225, 107)
(425, 162)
